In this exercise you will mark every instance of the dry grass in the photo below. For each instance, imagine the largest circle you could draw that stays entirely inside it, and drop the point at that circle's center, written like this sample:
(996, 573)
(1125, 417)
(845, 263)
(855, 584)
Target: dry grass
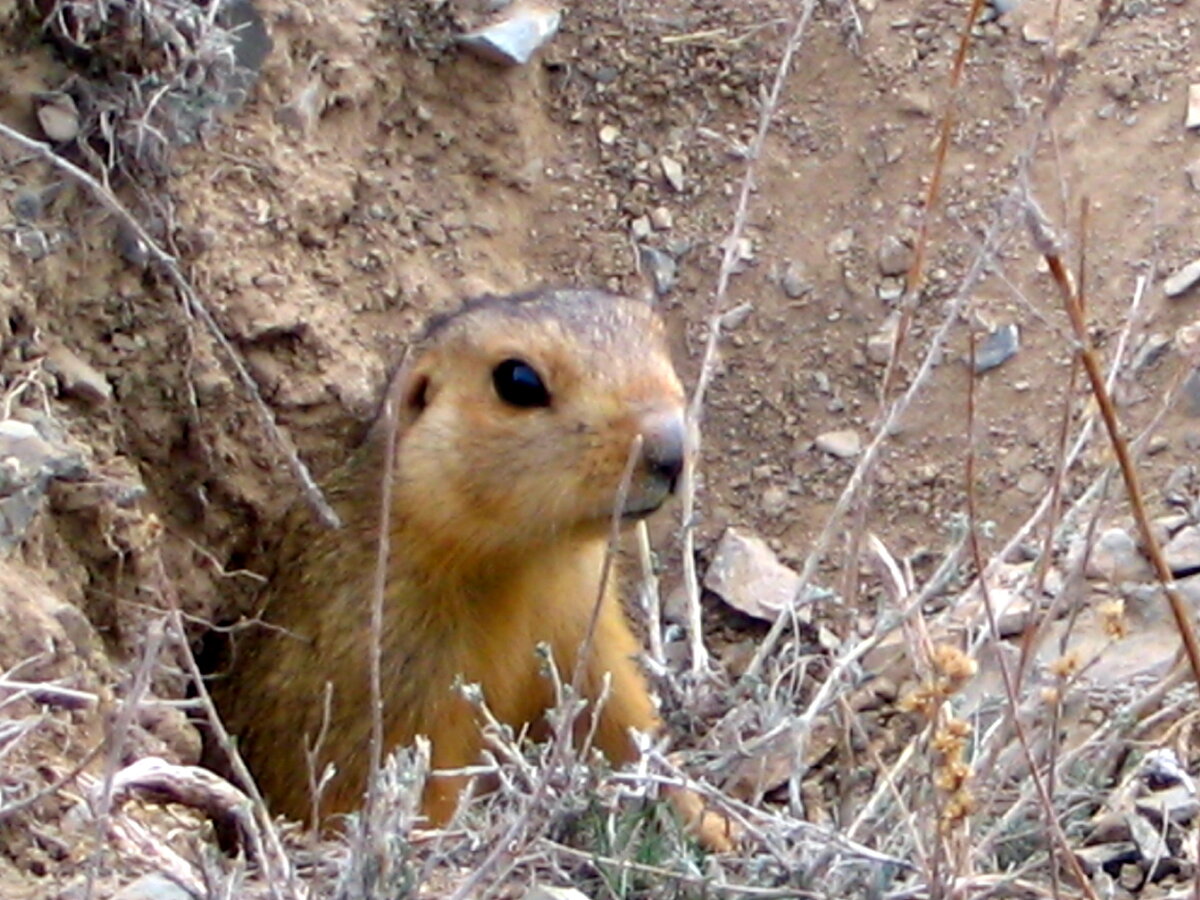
(976, 804)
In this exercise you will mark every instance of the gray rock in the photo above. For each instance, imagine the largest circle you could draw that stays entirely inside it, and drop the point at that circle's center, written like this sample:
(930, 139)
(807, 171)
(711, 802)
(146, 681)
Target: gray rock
(58, 115)
(27, 458)
(31, 242)
(1182, 553)
(433, 232)
(513, 39)
(997, 348)
(545, 892)
(662, 267)
(1182, 280)
(1151, 351)
(153, 887)
(1191, 393)
(890, 290)
(794, 281)
(879, 345)
(1177, 804)
(28, 463)
(895, 256)
(640, 228)
(749, 577)
(844, 444)
(673, 171)
(252, 42)
(27, 206)
(661, 218)
(1114, 558)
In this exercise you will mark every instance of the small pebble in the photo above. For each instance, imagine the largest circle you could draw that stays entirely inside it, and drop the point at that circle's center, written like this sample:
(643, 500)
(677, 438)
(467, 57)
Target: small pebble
(77, 378)
(895, 256)
(58, 116)
(841, 242)
(774, 501)
(1032, 483)
(1182, 280)
(153, 887)
(662, 267)
(793, 281)
(997, 348)
(844, 444)
(661, 218)
(673, 172)
(1192, 116)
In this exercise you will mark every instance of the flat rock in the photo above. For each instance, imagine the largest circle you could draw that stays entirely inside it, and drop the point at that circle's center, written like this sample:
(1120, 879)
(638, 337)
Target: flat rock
(844, 444)
(747, 575)
(1182, 280)
(153, 887)
(1183, 551)
(77, 378)
(1115, 558)
(546, 892)
(1191, 118)
(58, 116)
(513, 39)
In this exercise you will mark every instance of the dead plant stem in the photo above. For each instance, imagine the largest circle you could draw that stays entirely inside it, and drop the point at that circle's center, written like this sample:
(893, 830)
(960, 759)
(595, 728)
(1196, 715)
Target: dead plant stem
(1072, 301)
(1058, 837)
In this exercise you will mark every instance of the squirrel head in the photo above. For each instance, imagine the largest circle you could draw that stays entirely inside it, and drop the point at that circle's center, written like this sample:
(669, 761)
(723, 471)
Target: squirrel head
(519, 416)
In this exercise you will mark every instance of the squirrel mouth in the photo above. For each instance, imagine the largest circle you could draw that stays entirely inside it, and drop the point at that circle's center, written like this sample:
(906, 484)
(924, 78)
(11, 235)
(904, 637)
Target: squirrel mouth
(639, 513)
(638, 508)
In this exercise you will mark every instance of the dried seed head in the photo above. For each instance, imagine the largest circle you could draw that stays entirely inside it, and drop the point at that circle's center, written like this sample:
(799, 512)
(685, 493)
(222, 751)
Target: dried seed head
(953, 665)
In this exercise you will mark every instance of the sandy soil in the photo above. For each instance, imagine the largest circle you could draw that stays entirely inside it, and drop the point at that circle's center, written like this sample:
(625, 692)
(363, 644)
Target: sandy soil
(425, 176)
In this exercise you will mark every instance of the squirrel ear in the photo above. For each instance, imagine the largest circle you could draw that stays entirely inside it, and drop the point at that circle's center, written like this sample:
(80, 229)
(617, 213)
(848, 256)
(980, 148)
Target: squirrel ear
(405, 399)
(413, 394)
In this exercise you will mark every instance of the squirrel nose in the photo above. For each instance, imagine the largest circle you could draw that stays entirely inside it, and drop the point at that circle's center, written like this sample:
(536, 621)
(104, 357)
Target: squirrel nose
(664, 445)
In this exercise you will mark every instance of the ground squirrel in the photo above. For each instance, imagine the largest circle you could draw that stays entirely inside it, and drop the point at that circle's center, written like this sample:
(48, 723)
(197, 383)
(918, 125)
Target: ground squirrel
(516, 417)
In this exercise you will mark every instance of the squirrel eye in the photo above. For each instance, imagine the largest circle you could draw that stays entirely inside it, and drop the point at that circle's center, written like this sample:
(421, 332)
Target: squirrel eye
(519, 384)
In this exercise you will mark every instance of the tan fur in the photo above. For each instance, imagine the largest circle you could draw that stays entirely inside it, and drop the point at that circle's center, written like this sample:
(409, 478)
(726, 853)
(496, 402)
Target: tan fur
(499, 526)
